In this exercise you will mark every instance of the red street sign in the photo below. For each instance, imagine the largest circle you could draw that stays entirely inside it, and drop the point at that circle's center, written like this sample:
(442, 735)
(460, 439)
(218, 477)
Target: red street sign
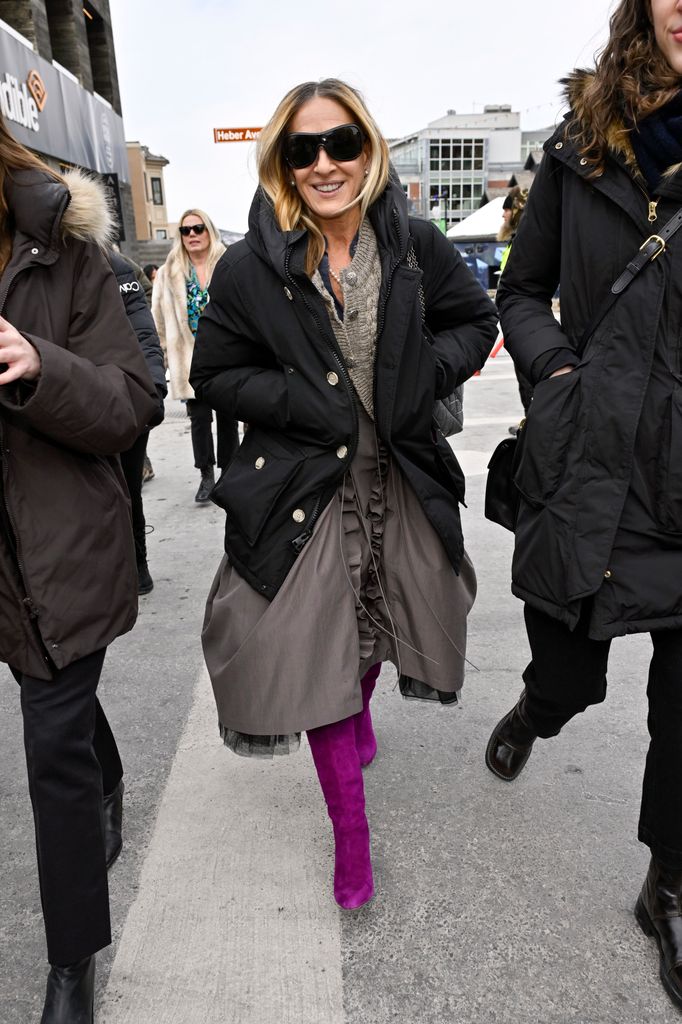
(236, 134)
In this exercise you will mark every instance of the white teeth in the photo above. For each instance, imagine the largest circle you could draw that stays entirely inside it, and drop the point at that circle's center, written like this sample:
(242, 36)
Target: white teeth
(327, 188)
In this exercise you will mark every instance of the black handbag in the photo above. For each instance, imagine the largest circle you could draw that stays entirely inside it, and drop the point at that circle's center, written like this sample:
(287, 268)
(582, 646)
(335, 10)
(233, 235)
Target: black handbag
(501, 493)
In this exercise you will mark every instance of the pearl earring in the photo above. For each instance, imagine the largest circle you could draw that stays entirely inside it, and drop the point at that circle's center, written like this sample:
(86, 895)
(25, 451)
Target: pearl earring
(366, 173)
(292, 183)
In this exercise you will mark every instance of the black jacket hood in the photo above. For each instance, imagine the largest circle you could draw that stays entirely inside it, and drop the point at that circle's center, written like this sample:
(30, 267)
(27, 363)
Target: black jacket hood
(388, 216)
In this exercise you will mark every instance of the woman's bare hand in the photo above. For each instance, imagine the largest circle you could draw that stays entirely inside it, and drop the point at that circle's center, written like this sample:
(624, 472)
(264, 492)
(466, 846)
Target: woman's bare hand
(18, 355)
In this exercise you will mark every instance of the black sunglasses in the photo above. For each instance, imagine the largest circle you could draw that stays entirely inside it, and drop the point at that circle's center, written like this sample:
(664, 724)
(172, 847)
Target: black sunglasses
(187, 229)
(342, 143)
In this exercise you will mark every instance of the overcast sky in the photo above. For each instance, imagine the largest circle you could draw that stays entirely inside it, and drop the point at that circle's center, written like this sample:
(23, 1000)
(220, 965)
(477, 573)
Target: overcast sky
(185, 69)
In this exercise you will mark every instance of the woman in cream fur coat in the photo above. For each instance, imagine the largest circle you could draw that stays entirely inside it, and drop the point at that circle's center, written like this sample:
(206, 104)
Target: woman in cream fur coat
(179, 297)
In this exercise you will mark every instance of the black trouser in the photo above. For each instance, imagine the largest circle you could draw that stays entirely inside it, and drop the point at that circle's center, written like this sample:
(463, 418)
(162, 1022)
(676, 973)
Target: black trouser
(201, 416)
(72, 759)
(132, 464)
(568, 673)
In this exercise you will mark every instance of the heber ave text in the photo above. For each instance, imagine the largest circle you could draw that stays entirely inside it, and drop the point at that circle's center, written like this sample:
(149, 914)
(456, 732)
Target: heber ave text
(236, 134)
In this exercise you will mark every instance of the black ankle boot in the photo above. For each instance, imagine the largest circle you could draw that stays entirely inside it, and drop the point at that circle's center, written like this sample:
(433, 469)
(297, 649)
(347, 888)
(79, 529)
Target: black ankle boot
(70, 994)
(206, 485)
(511, 742)
(659, 915)
(113, 823)
(145, 583)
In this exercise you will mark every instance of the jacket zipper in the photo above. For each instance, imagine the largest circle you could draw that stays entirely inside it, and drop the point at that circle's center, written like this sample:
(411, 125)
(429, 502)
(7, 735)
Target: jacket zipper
(7, 285)
(13, 539)
(652, 204)
(298, 543)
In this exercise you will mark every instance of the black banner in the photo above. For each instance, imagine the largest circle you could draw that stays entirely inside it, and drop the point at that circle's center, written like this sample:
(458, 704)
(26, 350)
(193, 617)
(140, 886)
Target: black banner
(49, 112)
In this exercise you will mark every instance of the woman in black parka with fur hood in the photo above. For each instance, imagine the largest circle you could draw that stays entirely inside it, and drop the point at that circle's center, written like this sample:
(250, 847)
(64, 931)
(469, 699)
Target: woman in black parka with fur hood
(598, 549)
(74, 392)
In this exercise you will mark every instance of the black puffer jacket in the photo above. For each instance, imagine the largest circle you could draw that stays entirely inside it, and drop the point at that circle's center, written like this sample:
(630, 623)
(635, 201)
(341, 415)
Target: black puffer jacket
(266, 354)
(601, 472)
(142, 322)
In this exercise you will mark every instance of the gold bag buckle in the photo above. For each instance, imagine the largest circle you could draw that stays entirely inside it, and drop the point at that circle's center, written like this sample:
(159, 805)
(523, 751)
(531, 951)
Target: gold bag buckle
(659, 241)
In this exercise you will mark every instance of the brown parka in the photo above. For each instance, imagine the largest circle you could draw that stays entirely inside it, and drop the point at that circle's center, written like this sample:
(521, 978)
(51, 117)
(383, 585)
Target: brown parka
(68, 583)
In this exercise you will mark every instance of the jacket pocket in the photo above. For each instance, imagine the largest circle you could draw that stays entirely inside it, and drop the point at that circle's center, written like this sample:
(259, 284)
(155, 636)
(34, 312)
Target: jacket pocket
(259, 473)
(669, 469)
(546, 437)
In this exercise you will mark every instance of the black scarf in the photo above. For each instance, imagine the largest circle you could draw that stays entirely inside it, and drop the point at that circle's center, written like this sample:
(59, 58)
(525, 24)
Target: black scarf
(657, 142)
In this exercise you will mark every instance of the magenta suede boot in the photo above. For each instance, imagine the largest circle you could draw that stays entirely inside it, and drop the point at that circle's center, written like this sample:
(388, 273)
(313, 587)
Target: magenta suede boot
(365, 740)
(338, 769)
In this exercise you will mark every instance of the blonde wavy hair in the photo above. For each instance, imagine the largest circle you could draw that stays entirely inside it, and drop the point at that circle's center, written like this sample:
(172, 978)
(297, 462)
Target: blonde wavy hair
(274, 174)
(178, 253)
(631, 79)
(517, 197)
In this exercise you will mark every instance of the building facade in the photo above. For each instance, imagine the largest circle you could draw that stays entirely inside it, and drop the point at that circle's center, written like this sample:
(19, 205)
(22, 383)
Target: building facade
(447, 167)
(149, 193)
(59, 91)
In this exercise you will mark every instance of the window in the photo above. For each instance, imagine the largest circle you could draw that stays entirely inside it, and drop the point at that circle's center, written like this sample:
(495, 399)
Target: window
(161, 233)
(157, 193)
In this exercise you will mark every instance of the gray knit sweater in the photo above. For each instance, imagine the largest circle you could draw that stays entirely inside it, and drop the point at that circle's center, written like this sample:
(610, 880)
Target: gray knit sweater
(356, 334)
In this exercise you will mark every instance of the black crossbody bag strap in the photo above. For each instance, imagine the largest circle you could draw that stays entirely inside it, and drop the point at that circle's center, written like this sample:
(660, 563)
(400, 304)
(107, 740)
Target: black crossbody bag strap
(648, 252)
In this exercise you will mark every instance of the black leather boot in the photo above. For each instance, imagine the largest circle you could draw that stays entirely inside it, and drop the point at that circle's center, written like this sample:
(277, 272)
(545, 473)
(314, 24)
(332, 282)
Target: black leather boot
(145, 583)
(511, 742)
(113, 823)
(206, 485)
(659, 915)
(70, 994)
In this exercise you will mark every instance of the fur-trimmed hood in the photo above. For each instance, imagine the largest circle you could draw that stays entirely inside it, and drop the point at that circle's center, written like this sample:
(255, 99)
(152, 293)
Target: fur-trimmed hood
(575, 92)
(90, 214)
(618, 134)
(50, 210)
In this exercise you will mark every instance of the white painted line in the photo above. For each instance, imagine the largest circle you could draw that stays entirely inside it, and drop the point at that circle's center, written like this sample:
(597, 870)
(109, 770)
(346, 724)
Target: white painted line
(235, 921)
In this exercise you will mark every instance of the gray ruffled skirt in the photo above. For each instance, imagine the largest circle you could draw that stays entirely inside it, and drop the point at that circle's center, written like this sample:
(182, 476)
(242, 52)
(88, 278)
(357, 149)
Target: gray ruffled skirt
(372, 584)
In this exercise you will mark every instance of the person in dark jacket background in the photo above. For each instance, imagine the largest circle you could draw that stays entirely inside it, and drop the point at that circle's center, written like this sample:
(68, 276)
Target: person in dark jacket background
(74, 392)
(598, 550)
(331, 330)
(512, 212)
(136, 304)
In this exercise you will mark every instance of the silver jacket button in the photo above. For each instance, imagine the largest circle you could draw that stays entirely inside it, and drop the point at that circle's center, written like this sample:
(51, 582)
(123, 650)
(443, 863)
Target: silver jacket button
(260, 462)
(298, 515)
(352, 314)
(341, 451)
(351, 277)
(34, 252)
(332, 378)
(559, 145)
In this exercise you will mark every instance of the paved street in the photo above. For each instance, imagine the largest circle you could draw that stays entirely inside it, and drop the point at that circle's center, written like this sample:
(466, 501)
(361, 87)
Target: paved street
(496, 903)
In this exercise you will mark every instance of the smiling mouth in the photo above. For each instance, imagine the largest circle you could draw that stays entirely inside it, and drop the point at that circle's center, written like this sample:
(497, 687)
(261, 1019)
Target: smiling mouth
(328, 189)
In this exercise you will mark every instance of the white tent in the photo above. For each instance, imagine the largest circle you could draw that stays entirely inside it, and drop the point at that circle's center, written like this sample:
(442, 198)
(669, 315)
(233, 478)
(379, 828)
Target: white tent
(483, 223)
